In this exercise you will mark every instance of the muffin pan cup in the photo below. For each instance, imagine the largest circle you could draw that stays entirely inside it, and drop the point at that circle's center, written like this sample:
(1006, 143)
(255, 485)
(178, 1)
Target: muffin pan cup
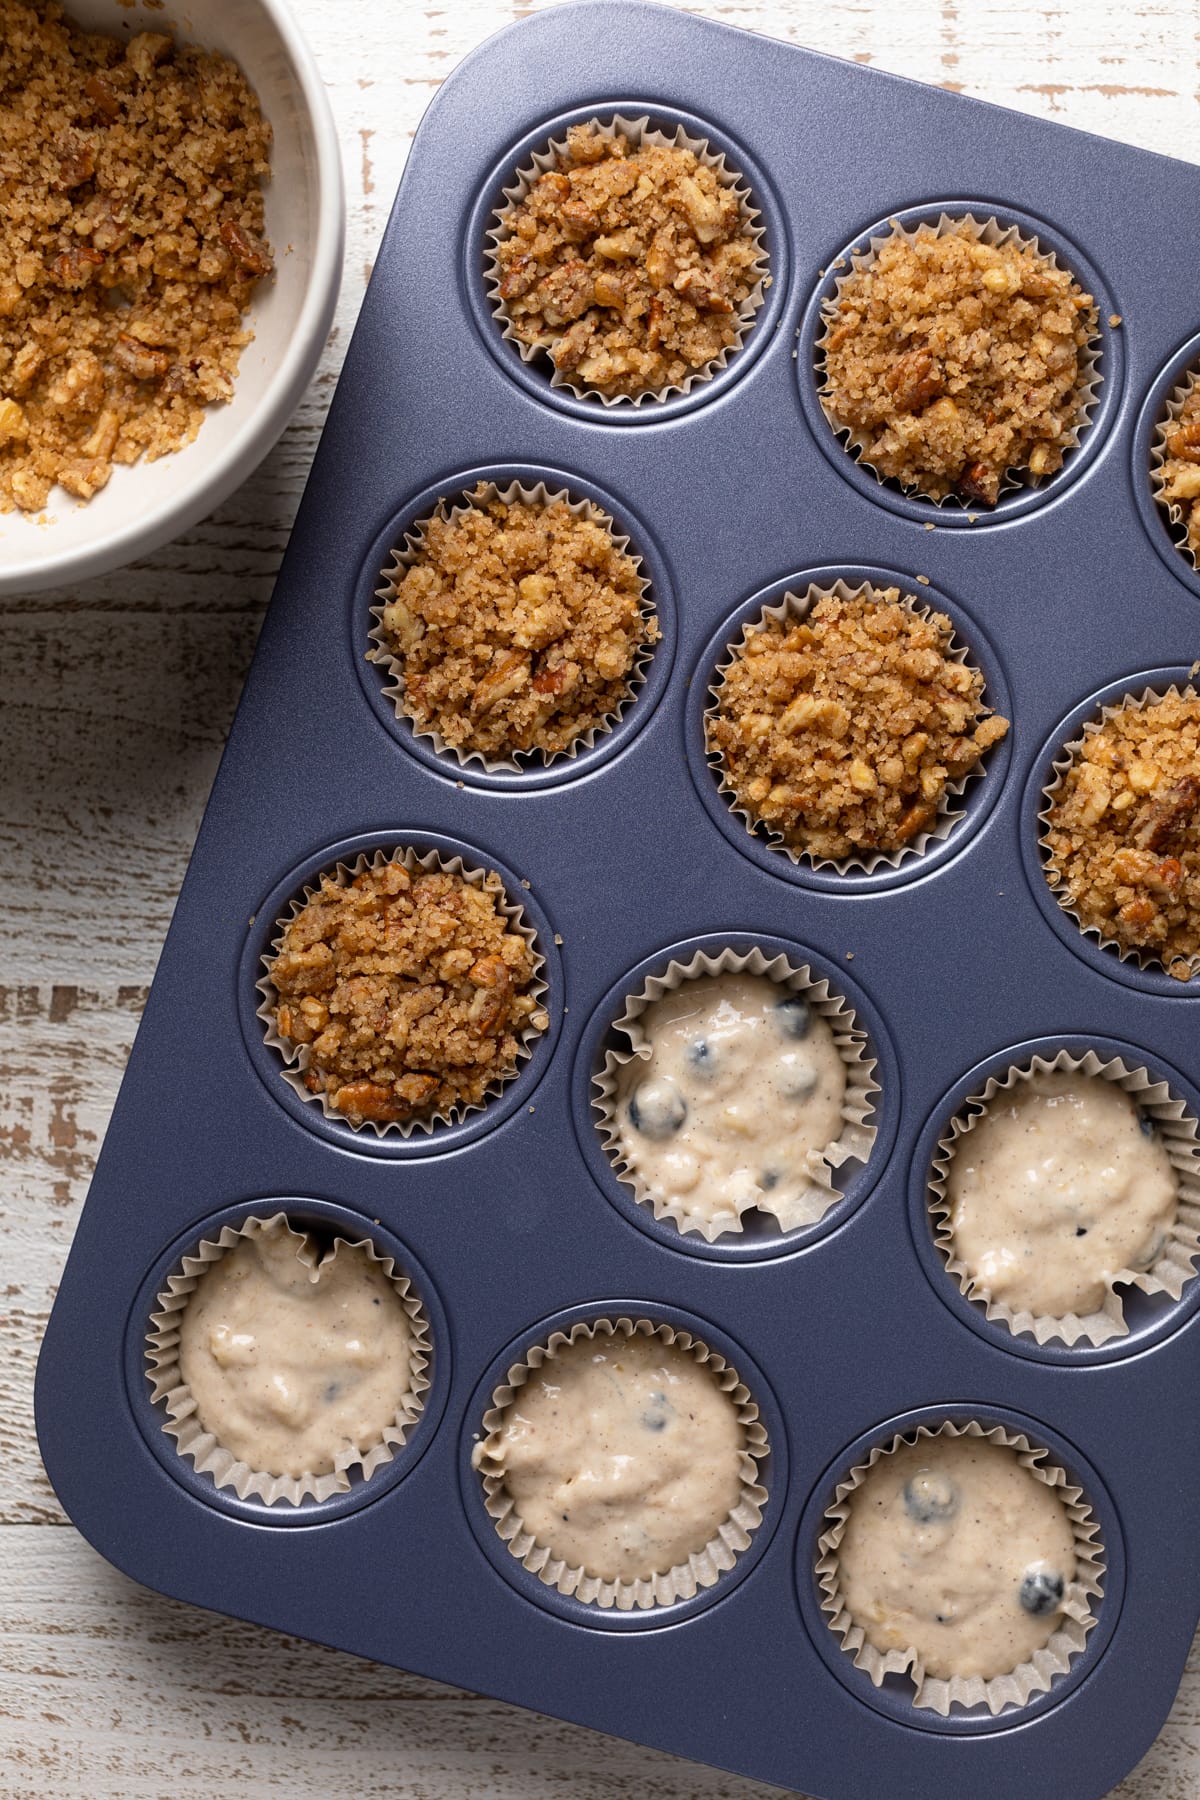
(630, 851)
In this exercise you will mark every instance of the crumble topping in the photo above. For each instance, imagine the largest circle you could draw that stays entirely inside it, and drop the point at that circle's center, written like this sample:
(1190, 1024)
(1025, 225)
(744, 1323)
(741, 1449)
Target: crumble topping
(1179, 474)
(131, 221)
(516, 627)
(840, 732)
(409, 990)
(952, 361)
(628, 264)
(1123, 832)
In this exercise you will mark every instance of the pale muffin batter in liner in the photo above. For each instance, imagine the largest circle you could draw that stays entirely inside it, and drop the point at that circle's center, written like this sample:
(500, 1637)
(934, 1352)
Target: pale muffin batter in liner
(987, 231)
(792, 609)
(857, 1136)
(294, 1058)
(940, 1694)
(1144, 959)
(171, 1392)
(1177, 508)
(686, 1578)
(638, 131)
(405, 555)
(1171, 1269)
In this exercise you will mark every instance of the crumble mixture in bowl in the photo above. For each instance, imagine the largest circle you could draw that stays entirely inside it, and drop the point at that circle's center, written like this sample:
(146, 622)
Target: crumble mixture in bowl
(282, 1361)
(514, 623)
(1175, 465)
(846, 723)
(959, 1557)
(621, 1463)
(1064, 1185)
(131, 244)
(959, 358)
(1120, 830)
(403, 991)
(631, 261)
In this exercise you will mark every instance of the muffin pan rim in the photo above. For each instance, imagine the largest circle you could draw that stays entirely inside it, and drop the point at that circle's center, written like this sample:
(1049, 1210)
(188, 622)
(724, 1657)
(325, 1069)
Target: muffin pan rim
(302, 1212)
(761, 331)
(773, 1468)
(1175, 1316)
(894, 1705)
(637, 708)
(732, 1249)
(983, 788)
(517, 1089)
(1016, 504)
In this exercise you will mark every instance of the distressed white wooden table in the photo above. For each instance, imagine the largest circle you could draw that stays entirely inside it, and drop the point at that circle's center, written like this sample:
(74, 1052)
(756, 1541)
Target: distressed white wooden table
(114, 702)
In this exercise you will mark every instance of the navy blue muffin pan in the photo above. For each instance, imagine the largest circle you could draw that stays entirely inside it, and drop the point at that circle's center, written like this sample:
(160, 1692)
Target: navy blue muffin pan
(957, 961)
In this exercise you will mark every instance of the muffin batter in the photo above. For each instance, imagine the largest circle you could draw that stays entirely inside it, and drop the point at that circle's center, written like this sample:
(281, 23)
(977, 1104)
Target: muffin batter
(743, 1084)
(296, 1365)
(622, 1456)
(955, 1550)
(1060, 1187)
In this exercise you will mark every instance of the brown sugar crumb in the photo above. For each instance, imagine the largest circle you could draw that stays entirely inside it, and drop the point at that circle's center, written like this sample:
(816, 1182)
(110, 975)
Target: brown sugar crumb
(840, 732)
(131, 222)
(628, 264)
(516, 627)
(951, 361)
(408, 990)
(1123, 832)
(1178, 482)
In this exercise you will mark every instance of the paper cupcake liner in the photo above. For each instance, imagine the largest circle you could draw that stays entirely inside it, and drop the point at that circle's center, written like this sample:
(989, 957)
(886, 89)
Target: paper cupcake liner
(1175, 511)
(936, 1693)
(1174, 1266)
(295, 1057)
(684, 1580)
(182, 1421)
(796, 607)
(857, 1137)
(639, 131)
(406, 554)
(1144, 959)
(987, 231)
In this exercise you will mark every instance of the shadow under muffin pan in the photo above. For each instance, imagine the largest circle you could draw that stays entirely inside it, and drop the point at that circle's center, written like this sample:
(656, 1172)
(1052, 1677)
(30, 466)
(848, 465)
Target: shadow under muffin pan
(726, 492)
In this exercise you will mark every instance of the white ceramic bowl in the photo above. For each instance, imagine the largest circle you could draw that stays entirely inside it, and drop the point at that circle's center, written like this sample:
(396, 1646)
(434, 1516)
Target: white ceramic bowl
(146, 505)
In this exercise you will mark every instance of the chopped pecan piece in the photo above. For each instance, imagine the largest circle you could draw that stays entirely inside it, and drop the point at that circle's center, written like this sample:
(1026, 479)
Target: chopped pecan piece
(367, 1100)
(249, 252)
(914, 381)
(139, 360)
(75, 267)
(103, 95)
(979, 485)
(1166, 814)
(1185, 443)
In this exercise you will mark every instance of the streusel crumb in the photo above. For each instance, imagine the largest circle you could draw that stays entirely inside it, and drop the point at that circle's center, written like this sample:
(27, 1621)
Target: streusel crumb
(840, 733)
(409, 990)
(952, 361)
(1179, 476)
(1123, 832)
(516, 626)
(131, 221)
(628, 264)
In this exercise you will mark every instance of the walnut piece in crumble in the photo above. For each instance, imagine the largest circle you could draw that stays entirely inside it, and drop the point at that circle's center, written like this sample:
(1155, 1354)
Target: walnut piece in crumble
(409, 989)
(628, 264)
(1179, 476)
(839, 733)
(131, 220)
(1123, 832)
(952, 361)
(516, 626)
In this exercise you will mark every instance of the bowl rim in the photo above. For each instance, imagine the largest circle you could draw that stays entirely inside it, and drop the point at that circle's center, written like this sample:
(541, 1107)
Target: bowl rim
(36, 569)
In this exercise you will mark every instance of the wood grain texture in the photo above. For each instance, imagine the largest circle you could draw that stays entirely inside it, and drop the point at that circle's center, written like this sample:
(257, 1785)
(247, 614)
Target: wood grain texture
(115, 697)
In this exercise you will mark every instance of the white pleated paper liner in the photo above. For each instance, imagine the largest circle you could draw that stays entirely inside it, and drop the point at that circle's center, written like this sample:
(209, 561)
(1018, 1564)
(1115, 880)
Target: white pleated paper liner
(792, 609)
(638, 130)
(1174, 1265)
(408, 552)
(853, 1144)
(989, 230)
(1167, 425)
(682, 1582)
(1143, 959)
(935, 1693)
(181, 1419)
(295, 1058)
